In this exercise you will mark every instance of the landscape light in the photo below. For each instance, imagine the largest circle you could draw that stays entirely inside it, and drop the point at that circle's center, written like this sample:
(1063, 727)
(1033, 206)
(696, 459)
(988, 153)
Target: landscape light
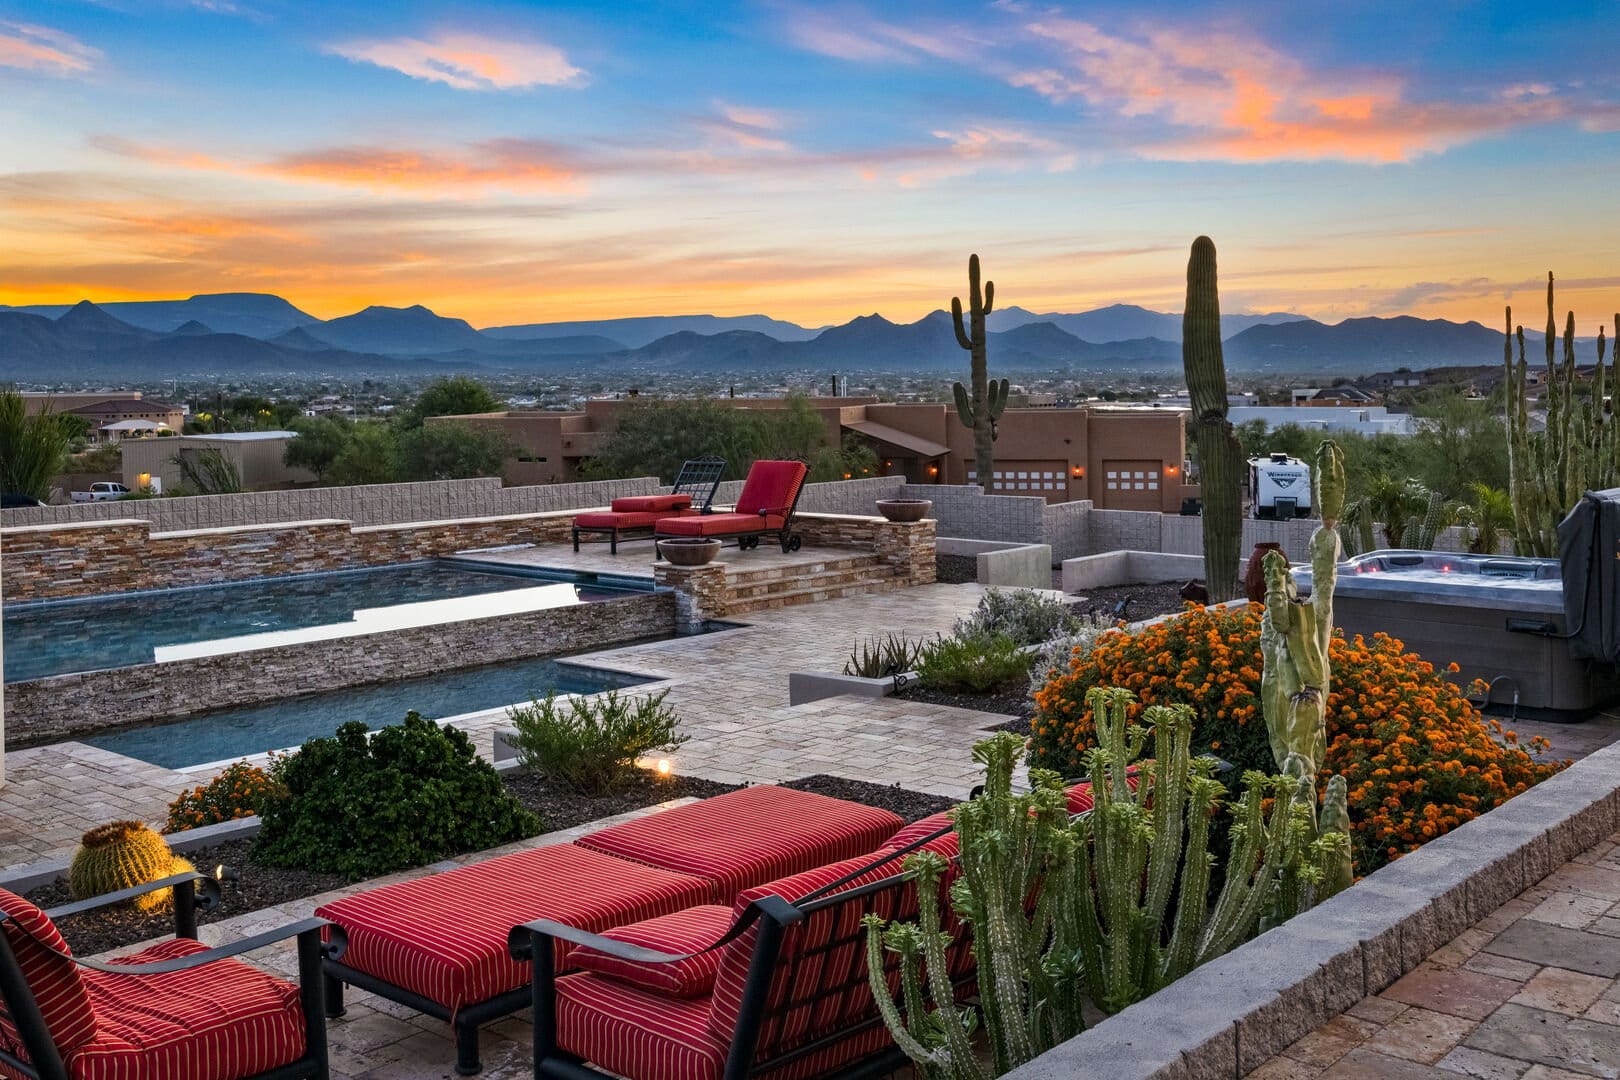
(663, 766)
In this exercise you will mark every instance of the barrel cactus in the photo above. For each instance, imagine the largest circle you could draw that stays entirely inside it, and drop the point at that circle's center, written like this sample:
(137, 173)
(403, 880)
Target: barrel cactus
(121, 855)
(982, 408)
(1220, 454)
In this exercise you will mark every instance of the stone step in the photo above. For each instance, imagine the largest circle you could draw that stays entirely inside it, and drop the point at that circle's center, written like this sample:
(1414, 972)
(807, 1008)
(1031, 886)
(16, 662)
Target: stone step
(800, 570)
(820, 581)
(807, 595)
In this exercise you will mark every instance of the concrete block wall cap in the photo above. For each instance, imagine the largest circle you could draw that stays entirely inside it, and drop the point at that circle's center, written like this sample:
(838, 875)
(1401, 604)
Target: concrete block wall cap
(99, 523)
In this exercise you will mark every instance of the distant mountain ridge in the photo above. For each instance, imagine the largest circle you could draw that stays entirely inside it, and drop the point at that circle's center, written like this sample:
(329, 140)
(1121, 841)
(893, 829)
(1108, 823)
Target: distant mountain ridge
(256, 333)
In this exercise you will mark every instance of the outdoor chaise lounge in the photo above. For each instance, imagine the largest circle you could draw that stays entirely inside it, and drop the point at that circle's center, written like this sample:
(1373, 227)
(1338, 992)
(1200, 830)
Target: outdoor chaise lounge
(764, 508)
(774, 984)
(633, 517)
(439, 943)
(175, 1010)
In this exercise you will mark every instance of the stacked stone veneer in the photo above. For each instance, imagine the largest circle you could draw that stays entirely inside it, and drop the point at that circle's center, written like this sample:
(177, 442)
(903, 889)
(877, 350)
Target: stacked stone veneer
(865, 555)
(48, 710)
(50, 562)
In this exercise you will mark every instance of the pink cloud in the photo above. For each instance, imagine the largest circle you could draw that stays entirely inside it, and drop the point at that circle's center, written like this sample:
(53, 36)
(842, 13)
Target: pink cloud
(468, 61)
(1239, 99)
(40, 48)
(854, 35)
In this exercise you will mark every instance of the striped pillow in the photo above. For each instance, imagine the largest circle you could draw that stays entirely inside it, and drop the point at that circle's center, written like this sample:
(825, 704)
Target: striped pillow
(687, 931)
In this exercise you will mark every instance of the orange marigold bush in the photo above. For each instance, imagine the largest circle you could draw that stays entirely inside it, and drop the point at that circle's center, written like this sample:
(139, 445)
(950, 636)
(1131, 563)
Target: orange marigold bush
(1418, 757)
(237, 792)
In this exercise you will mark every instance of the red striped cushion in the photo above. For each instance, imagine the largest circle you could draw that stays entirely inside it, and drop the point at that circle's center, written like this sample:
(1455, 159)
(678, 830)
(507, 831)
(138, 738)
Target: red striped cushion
(646, 1036)
(924, 827)
(719, 524)
(748, 836)
(771, 485)
(689, 931)
(826, 948)
(1080, 798)
(221, 1021)
(609, 519)
(50, 973)
(444, 936)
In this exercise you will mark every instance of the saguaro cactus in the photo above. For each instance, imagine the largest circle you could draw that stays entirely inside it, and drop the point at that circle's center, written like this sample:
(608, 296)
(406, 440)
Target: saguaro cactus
(1294, 638)
(1550, 470)
(982, 408)
(1220, 454)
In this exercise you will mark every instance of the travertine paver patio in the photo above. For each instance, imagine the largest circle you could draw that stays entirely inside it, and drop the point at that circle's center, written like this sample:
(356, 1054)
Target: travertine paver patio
(1532, 992)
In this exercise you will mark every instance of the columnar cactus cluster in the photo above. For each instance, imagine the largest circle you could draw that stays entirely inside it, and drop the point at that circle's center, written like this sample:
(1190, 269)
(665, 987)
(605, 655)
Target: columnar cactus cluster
(1111, 905)
(121, 855)
(1579, 451)
(1220, 454)
(982, 408)
(1294, 638)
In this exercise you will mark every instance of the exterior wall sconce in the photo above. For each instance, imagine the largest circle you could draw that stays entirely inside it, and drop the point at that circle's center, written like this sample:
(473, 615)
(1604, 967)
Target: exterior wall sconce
(933, 470)
(1079, 472)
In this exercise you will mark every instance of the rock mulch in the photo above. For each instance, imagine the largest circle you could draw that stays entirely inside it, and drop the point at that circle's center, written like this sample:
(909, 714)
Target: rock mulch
(1146, 601)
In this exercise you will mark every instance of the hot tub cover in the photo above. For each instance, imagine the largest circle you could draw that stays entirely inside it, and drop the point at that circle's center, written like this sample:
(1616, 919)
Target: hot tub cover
(1589, 553)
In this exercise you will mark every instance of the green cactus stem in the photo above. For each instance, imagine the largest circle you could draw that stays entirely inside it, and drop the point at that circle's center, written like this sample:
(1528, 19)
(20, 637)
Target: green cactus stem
(1220, 454)
(121, 855)
(981, 407)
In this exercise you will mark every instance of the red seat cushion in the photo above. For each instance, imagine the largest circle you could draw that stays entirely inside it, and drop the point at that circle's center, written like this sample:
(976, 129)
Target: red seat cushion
(748, 836)
(771, 486)
(220, 1021)
(1080, 798)
(48, 969)
(444, 936)
(647, 1036)
(689, 931)
(651, 504)
(945, 845)
(719, 524)
(609, 519)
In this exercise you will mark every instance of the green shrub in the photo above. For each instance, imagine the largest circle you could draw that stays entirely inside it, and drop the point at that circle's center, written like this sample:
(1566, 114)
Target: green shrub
(974, 664)
(879, 658)
(591, 744)
(364, 805)
(1026, 616)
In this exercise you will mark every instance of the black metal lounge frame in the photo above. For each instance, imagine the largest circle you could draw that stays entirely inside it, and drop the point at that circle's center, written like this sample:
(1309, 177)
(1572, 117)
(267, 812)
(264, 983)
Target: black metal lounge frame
(45, 1062)
(695, 476)
(533, 941)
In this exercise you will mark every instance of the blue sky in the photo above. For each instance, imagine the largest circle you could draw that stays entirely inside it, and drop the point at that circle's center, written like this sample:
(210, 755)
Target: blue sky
(533, 161)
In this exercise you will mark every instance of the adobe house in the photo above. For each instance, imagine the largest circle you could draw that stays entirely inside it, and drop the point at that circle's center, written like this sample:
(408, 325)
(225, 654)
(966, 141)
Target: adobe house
(1122, 457)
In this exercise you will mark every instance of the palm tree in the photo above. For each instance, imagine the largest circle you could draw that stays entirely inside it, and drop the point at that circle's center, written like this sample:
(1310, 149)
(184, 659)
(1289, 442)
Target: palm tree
(1489, 513)
(33, 449)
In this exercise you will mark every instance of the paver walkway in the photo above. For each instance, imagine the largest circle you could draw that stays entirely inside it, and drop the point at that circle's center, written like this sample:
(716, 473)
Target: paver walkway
(1532, 992)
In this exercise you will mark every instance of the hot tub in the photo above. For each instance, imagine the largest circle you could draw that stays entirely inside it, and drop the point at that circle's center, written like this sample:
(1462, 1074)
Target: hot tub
(1496, 618)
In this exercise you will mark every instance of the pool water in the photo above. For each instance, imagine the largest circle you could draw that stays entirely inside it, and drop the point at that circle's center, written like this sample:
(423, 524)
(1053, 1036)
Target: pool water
(229, 734)
(66, 636)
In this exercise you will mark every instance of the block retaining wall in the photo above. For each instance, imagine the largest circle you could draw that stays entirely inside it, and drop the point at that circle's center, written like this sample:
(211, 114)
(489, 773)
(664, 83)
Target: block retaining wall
(1225, 1019)
(65, 706)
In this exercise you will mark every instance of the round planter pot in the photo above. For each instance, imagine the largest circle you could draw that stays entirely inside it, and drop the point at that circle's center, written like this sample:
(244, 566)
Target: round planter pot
(689, 551)
(1254, 576)
(904, 509)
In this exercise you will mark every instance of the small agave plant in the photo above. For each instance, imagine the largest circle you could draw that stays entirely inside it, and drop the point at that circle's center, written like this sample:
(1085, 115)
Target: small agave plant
(1111, 905)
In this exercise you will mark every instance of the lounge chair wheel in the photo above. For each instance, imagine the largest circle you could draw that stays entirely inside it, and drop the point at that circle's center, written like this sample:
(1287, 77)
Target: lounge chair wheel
(787, 544)
(795, 544)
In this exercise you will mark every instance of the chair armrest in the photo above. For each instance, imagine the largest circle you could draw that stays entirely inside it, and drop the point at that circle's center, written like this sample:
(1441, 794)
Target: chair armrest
(207, 894)
(520, 940)
(313, 926)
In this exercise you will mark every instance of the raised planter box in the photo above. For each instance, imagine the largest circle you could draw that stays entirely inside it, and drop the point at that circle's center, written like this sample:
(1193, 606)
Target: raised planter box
(1003, 564)
(1129, 568)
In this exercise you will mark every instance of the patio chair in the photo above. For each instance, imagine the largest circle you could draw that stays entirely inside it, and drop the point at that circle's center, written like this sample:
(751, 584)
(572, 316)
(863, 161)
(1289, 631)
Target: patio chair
(764, 508)
(633, 517)
(176, 1009)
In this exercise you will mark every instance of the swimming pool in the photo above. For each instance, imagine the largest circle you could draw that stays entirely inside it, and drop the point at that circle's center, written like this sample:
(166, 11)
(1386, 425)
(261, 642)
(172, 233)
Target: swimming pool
(229, 734)
(60, 637)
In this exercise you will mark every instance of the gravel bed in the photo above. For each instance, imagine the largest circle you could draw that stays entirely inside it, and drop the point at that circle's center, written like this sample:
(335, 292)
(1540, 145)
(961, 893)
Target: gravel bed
(910, 805)
(956, 569)
(1147, 601)
(256, 886)
(1010, 702)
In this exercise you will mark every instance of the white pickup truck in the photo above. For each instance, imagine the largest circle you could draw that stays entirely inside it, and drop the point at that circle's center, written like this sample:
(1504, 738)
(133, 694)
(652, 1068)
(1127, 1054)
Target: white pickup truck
(101, 491)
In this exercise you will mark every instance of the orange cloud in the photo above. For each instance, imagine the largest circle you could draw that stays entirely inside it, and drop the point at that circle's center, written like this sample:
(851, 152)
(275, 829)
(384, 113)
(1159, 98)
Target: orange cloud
(468, 61)
(39, 48)
(1239, 99)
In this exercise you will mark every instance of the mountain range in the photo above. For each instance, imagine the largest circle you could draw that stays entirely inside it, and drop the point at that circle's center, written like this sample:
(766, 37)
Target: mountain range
(237, 334)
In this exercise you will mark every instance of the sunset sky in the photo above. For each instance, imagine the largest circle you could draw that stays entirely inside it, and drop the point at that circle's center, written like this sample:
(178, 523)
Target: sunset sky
(527, 162)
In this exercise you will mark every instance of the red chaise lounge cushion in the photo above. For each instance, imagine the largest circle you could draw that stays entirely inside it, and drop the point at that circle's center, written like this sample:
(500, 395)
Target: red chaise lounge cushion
(719, 524)
(748, 836)
(47, 967)
(444, 936)
(771, 486)
(613, 519)
(689, 931)
(651, 504)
